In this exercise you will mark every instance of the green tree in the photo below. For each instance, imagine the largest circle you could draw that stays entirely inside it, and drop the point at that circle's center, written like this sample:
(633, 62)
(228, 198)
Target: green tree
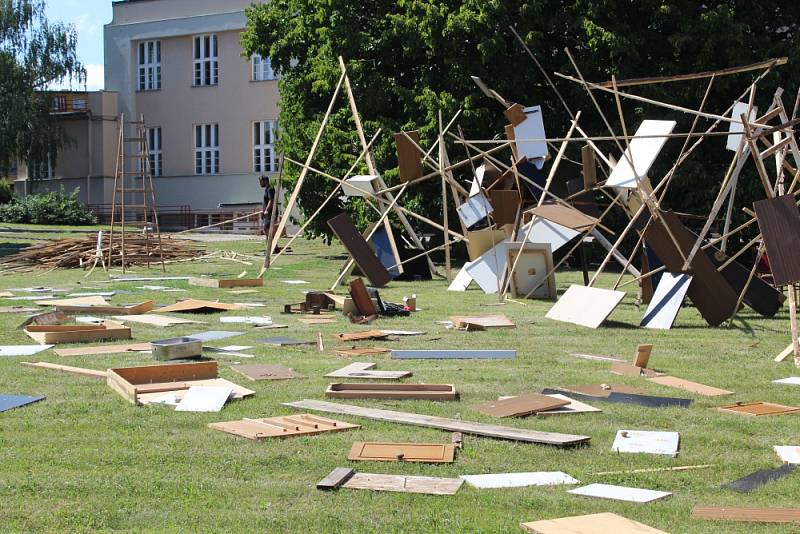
(34, 54)
(408, 59)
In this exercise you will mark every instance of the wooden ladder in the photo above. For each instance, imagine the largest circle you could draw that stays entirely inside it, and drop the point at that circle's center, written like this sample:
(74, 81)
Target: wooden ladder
(133, 203)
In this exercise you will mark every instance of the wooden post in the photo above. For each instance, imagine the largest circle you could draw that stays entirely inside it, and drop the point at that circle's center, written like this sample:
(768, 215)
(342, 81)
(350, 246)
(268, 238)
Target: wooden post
(442, 155)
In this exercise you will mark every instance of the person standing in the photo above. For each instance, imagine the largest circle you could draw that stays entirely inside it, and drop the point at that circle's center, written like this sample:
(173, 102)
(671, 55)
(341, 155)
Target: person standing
(266, 203)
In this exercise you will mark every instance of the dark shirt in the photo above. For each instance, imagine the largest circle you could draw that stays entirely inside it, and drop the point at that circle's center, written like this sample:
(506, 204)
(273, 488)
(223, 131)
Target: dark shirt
(269, 194)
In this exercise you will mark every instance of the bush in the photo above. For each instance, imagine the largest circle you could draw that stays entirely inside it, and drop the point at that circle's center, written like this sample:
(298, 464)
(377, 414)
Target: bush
(54, 207)
(6, 191)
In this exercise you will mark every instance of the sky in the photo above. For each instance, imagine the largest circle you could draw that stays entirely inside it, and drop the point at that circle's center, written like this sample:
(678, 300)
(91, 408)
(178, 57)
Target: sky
(88, 17)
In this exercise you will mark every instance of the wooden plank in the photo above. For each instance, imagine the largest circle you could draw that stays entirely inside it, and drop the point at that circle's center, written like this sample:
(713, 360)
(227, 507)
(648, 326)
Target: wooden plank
(282, 427)
(566, 216)
(482, 322)
(361, 298)
(520, 406)
(515, 114)
(226, 283)
(404, 484)
(505, 203)
(266, 371)
(468, 354)
(402, 452)
(646, 441)
(409, 158)
(155, 320)
(359, 249)
(620, 493)
(589, 168)
(779, 223)
(482, 241)
(758, 409)
(585, 306)
(362, 351)
(753, 515)
(688, 385)
(519, 480)
(573, 408)
(102, 375)
(335, 478)
(364, 370)
(77, 333)
(199, 306)
(603, 390)
(633, 370)
(642, 357)
(603, 523)
(361, 336)
(440, 392)
(451, 425)
(103, 350)
(131, 309)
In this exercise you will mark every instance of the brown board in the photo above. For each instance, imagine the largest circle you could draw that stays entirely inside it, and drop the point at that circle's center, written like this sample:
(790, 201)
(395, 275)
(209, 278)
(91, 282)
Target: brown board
(363, 303)
(409, 158)
(402, 452)
(688, 385)
(404, 484)
(443, 392)
(565, 216)
(759, 408)
(225, 283)
(282, 427)
(603, 523)
(755, 515)
(505, 203)
(359, 249)
(263, 371)
(520, 406)
(779, 222)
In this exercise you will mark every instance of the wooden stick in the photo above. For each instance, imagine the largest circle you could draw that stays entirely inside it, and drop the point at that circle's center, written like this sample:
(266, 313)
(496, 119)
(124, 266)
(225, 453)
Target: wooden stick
(442, 156)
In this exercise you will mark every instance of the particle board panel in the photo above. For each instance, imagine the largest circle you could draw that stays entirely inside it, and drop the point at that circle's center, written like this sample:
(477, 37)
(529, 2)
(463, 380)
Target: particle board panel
(9, 402)
(361, 298)
(488, 270)
(763, 297)
(129, 309)
(515, 114)
(155, 320)
(203, 399)
(200, 306)
(643, 150)
(519, 480)
(404, 484)
(573, 408)
(282, 427)
(646, 441)
(759, 478)
(335, 478)
(22, 350)
(603, 390)
(359, 249)
(458, 354)
(603, 523)
(779, 223)
(317, 320)
(361, 336)
(53, 334)
(633, 370)
(101, 350)
(441, 392)
(534, 264)
(753, 515)
(544, 231)
(666, 301)
(688, 385)
(735, 129)
(365, 370)
(758, 409)
(520, 406)
(482, 322)
(505, 203)
(283, 341)
(402, 452)
(92, 373)
(442, 423)
(264, 371)
(649, 401)
(226, 283)
(585, 306)
(566, 216)
(356, 352)
(620, 493)
(409, 158)
(481, 241)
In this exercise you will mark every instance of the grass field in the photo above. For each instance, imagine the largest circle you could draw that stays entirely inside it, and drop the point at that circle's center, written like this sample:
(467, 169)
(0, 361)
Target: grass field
(86, 460)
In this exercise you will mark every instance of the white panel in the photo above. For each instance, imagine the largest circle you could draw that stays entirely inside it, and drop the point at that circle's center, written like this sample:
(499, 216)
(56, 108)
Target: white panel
(574, 407)
(213, 335)
(792, 381)
(204, 399)
(477, 181)
(736, 128)
(643, 152)
(646, 441)
(462, 280)
(585, 306)
(259, 321)
(22, 350)
(666, 301)
(531, 128)
(351, 186)
(489, 267)
(519, 480)
(545, 231)
(620, 493)
(790, 454)
(474, 209)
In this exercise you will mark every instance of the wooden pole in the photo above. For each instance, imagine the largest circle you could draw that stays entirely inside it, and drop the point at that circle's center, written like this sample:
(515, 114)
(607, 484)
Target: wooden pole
(445, 219)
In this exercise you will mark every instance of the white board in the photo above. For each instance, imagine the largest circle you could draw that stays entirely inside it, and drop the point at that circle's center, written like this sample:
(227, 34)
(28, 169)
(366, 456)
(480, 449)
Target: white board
(475, 209)
(213, 335)
(489, 267)
(736, 128)
(157, 320)
(477, 181)
(620, 493)
(258, 321)
(545, 231)
(647, 441)
(643, 151)
(519, 480)
(462, 280)
(355, 186)
(666, 301)
(574, 407)
(531, 128)
(789, 454)
(22, 350)
(204, 399)
(792, 381)
(585, 306)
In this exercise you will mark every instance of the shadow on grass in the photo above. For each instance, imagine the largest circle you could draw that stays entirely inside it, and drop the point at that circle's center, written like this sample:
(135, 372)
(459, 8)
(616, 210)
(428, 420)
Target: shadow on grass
(8, 249)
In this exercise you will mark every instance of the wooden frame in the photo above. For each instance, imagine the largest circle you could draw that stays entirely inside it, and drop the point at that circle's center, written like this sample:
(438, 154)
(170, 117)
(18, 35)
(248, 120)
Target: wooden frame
(524, 284)
(402, 452)
(52, 334)
(282, 427)
(440, 392)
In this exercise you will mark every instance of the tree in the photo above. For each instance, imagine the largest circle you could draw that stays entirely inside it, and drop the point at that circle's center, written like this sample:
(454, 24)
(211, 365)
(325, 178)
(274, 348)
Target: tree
(34, 54)
(408, 59)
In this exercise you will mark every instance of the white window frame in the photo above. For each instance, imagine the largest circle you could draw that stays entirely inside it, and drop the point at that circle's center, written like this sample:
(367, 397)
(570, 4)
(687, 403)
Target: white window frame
(155, 151)
(36, 167)
(205, 51)
(148, 65)
(262, 68)
(264, 157)
(206, 149)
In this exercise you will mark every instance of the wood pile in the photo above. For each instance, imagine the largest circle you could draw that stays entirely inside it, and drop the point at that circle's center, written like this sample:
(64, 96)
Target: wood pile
(81, 252)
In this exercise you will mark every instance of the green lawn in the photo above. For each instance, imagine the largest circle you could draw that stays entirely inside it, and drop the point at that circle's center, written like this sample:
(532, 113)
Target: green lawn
(86, 460)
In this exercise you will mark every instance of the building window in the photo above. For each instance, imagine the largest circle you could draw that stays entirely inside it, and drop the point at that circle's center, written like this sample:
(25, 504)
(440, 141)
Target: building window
(206, 149)
(149, 65)
(154, 151)
(206, 66)
(41, 170)
(262, 69)
(264, 159)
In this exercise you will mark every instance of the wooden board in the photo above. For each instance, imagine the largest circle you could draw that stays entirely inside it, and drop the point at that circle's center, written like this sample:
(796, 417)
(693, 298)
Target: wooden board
(474, 210)
(364, 370)
(451, 425)
(361, 299)
(779, 223)
(317, 320)
(52, 334)
(402, 452)
(643, 351)
(481, 322)
(335, 478)
(199, 306)
(566, 216)
(356, 352)
(505, 203)
(226, 283)
(789, 454)
(688, 385)
(666, 301)
(17, 309)
(155, 320)
(520, 406)
(282, 427)
(466, 354)
(404, 484)
(642, 151)
(519, 480)
(148, 393)
(124, 380)
(130, 309)
(263, 371)
(597, 390)
(633, 370)
(409, 158)
(620, 493)
(530, 134)
(753, 515)
(534, 264)
(68, 369)
(603, 523)
(649, 401)
(759, 408)
(573, 408)
(359, 249)
(441, 392)
(481, 241)
(361, 336)
(585, 306)
(77, 301)
(103, 350)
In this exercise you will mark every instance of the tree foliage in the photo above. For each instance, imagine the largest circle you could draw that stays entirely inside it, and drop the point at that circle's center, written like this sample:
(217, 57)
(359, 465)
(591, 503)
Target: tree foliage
(409, 59)
(34, 54)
